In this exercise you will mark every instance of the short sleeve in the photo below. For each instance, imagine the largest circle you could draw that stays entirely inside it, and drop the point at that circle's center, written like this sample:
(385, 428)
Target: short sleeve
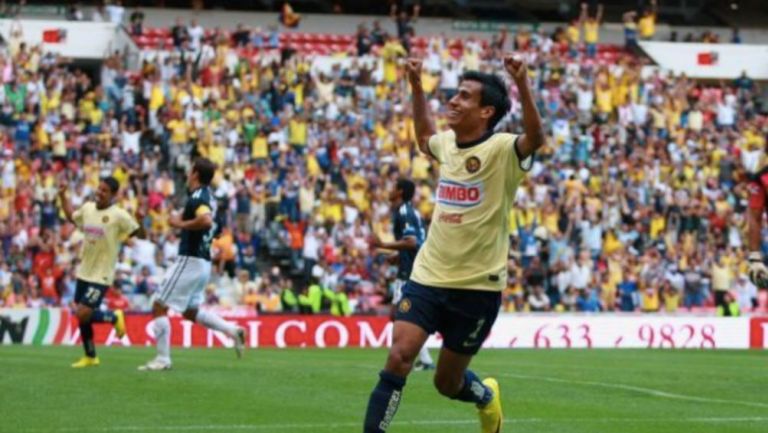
(436, 145)
(202, 209)
(78, 216)
(128, 225)
(526, 164)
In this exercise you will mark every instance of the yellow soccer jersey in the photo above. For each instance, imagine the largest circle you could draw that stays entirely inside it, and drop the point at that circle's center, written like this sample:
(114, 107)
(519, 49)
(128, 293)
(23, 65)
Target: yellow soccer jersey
(104, 231)
(468, 243)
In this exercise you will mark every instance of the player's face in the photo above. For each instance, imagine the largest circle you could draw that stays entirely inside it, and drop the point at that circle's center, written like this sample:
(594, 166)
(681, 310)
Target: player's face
(394, 196)
(464, 110)
(103, 195)
(191, 176)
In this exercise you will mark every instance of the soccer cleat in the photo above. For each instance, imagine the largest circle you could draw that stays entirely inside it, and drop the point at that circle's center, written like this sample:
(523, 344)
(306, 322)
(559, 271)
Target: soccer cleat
(240, 342)
(156, 365)
(491, 416)
(120, 323)
(86, 361)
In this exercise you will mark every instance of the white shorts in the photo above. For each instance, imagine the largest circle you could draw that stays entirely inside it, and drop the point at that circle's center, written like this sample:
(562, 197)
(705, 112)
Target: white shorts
(184, 283)
(397, 293)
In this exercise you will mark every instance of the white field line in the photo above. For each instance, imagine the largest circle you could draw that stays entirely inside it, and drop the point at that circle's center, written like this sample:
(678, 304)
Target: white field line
(313, 426)
(648, 391)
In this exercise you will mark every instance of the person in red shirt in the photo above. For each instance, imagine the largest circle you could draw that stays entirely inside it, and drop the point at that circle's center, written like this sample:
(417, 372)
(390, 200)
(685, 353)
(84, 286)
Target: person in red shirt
(116, 300)
(48, 287)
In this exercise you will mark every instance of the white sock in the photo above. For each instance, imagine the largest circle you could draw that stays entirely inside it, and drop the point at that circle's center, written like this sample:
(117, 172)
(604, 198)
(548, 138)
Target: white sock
(213, 321)
(424, 356)
(162, 328)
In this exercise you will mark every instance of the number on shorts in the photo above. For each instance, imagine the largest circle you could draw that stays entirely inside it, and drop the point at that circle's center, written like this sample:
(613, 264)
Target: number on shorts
(474, 334)
(92, 295)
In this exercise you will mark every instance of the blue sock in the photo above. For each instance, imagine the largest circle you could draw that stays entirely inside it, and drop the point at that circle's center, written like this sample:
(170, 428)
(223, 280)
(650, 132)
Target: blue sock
(100, 316)
(473, 390)
(384, 401)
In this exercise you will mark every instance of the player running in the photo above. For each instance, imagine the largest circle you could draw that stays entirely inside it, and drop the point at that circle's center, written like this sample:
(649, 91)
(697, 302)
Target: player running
(409, 236)
(105, 226)
(459, 273)
(184, 283)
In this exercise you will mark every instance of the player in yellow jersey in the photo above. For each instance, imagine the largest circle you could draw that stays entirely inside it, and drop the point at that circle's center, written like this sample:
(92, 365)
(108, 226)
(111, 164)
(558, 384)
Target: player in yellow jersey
(591, 28)
(105, 226)
(459, 274)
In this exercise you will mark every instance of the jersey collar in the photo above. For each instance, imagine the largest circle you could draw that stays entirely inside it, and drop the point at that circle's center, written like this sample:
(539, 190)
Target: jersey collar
(468, 144)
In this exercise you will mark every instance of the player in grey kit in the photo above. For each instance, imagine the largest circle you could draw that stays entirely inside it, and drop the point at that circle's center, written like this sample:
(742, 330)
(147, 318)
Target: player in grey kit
(185, 281)
(409, 236)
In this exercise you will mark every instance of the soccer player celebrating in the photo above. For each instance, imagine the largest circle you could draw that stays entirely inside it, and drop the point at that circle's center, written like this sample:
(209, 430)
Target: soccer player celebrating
(184, 283)
(105, 226)
(409, 236)
(459, 273)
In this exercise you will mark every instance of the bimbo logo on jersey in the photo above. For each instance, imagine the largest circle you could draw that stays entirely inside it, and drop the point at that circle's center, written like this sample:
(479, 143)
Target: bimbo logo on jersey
(459, 194)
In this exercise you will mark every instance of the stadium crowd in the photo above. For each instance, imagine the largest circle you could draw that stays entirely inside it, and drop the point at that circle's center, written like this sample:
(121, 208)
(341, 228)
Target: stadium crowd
(637, 202)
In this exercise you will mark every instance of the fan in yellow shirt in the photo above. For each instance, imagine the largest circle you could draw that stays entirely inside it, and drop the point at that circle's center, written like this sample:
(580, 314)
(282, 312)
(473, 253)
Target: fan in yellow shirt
(105, 226)
(391, 51)
(460, 271)
(646, 25)
(591, 28)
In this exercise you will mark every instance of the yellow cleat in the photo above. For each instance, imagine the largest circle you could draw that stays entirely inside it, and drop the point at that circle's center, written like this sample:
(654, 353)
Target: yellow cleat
(491, 416)
(120, 323)
(86, 361)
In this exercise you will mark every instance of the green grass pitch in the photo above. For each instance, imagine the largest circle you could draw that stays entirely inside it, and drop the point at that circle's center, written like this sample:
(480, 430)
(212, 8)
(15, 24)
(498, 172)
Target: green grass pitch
(326, 391)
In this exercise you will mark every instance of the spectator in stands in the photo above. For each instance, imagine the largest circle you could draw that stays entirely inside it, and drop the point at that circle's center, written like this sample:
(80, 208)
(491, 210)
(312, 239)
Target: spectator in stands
(735, 36)
(136, 21)
(74, 13)
(115, 11)
(646, 25)
(364, 40)
(179, 33)
(591, 28)
(538, 300)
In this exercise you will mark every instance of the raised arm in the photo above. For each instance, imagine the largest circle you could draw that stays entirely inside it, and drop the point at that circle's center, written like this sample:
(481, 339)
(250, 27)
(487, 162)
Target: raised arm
(66, 205)
(533, 138)
(584, 13)
(422, 118)
(599, 16)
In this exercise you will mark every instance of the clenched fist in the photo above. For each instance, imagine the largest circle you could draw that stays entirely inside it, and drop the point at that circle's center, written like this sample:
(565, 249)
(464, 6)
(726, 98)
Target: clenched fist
(516, 68)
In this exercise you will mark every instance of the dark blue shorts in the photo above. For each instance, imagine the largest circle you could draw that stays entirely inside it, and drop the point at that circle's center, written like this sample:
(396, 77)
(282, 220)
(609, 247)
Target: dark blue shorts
(89, 294)
(464, 318)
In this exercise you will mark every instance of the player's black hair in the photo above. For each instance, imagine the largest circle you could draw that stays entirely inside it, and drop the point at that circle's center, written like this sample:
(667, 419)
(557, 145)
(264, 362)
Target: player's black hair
(407, 187)
(494, 93)
(205, 169)
(112, 183)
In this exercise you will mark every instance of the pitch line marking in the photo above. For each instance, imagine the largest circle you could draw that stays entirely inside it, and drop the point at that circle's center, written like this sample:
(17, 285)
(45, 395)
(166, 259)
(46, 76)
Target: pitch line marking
(308, 426)
(649, 391)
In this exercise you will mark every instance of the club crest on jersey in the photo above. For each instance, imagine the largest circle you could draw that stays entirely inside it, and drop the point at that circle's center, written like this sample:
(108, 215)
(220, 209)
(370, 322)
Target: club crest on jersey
(105, 219)
(461, 194)
(472, 164)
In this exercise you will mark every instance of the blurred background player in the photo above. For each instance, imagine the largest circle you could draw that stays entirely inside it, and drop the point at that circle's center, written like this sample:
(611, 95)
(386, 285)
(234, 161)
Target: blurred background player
(458, 276)
(409, 236)
(184, 285)
(105, 226)
(758, 272)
